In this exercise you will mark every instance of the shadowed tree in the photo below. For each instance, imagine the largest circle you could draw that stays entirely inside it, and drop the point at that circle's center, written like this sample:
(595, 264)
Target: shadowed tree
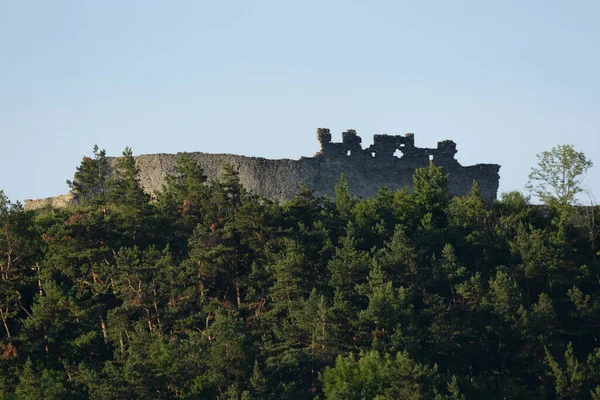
(90, 181)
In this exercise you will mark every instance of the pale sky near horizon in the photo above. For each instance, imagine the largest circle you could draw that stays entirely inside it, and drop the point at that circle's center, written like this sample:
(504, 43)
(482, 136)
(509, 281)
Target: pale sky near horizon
(504, 79)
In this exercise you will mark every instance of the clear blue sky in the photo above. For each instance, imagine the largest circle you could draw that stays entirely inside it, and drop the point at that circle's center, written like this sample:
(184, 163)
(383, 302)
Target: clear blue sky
(504, 79)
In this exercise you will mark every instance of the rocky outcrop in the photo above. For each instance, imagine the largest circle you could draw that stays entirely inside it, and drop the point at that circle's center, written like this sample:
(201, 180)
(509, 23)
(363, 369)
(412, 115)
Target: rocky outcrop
(365, 169)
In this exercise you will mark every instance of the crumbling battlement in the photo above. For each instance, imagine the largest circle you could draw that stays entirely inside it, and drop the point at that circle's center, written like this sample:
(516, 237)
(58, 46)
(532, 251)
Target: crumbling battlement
(384, 148)
(365, 169)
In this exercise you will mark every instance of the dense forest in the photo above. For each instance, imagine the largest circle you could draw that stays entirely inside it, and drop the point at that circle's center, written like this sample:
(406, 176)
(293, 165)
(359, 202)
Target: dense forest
(207, 291)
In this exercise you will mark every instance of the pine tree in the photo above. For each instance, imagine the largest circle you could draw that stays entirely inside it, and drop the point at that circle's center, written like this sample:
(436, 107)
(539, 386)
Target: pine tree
(90, 184)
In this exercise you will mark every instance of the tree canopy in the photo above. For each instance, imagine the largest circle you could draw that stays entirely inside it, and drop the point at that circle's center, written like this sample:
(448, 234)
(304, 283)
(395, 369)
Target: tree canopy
(209, 291)
(558, 177)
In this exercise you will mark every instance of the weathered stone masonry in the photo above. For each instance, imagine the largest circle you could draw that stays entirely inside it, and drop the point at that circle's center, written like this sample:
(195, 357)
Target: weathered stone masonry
(365, 169)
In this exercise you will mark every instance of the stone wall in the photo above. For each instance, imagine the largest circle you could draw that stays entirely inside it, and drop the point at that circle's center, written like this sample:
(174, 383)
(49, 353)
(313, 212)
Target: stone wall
(61, 201)
(365, 169)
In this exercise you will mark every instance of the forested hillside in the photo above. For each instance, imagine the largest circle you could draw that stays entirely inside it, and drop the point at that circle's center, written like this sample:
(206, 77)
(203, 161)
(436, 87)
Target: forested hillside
(209, 292)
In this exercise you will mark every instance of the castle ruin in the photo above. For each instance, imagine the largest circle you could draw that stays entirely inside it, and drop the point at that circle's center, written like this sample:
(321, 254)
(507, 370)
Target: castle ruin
(366, 170)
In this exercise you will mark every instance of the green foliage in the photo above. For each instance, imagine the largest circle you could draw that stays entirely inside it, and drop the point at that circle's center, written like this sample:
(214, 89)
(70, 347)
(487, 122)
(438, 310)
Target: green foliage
(212, 292)
(558, 177)
(375, 376)
(45, 384)
(343, 199)
(90, 182)
(574, 379)
(183, 201)
(431, 194)
(125, 189)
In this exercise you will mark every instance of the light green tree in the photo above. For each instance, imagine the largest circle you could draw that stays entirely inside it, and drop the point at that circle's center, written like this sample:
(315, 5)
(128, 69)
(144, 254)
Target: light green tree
(558, 177)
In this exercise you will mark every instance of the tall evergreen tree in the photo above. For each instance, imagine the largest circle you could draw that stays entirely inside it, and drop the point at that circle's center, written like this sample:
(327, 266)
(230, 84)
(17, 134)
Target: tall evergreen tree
(90, 184)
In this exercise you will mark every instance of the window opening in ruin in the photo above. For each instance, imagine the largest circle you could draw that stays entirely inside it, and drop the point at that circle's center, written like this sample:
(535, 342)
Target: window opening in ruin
(348, 152)
(373, 154)
(398, 154)
(431, 157)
